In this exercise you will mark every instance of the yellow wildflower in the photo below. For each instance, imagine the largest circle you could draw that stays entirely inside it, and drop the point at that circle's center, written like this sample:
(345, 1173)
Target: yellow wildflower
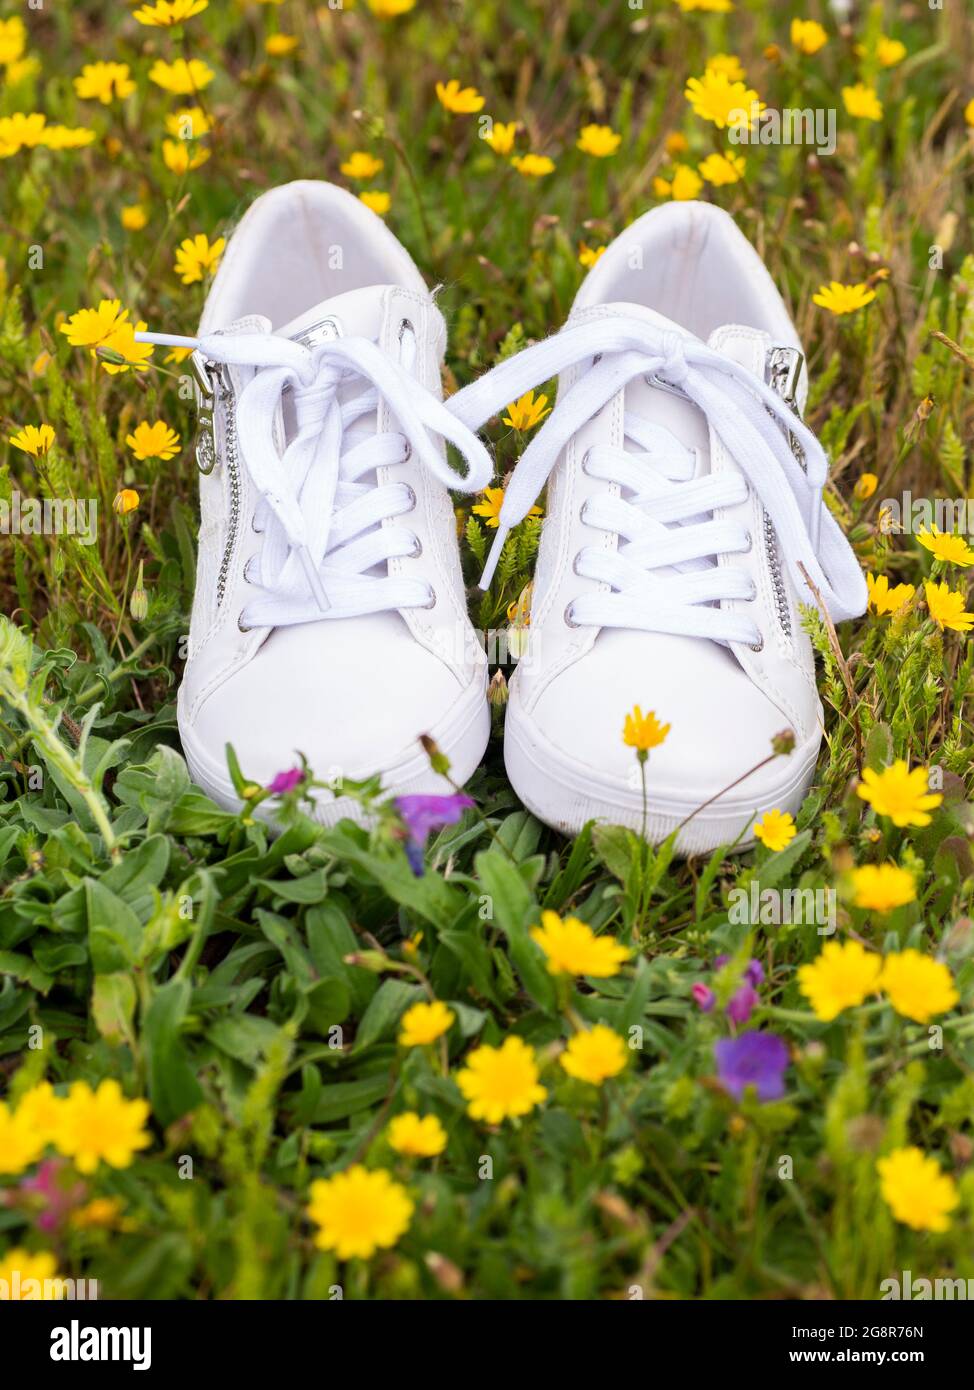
(918, 987)
(720, 169)
(946, 607)
(490, 507)
(808, 36)
(13, 40)
(883, 887)
(424, 1023)
(361, 165)
(944, 546)
(643, 731)
(862, 102)
(125, 501)
(33, 439)
(841, 977)
(29, 1276)
(181, 78)
(197, 256)
(900, 793)
(572, 948)
(708, 6)
(501, 135)
(714, 97)
(501, 1083)
(528, 411)
(866, 485)
(376, 200)
(390, 9)
(462, 101)
(843, 299)
(419, 1137)
(686, 183)
(359, 1212)
(280, 45)
(180, 157)
(135, 356)
(156, 441)
(889, 51)
(883, 599)
(918, 1193)
(589, 255)
(533, 166)
(92, 327)
(594, 1055)
(165, 13)
(188, 123)
(727, 63)
(102, 1126)
(134, 217)
(20, 1144)
(104, 82)
(598, 140)
(775, 829)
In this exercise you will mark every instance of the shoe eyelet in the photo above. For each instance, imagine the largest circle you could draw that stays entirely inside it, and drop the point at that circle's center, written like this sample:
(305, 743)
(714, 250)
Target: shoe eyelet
(748, 543)
(240, 626)
(431, 601)
(584, 463)
(412, 498)
(405, 324)
(581, 513)
(416, 551)
(246, 571)
(756, 646)
(578, 556)
(569, 619)
(257, 530)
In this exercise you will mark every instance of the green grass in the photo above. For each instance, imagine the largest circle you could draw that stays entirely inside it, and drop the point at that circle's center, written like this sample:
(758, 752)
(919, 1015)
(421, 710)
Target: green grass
(155, 938)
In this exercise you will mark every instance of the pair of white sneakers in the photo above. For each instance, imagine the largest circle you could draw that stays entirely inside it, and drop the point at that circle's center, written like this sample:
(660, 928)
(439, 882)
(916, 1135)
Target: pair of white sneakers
(685, 519)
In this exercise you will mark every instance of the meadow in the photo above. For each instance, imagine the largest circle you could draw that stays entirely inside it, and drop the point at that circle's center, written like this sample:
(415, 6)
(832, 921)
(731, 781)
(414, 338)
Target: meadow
(237, 1066)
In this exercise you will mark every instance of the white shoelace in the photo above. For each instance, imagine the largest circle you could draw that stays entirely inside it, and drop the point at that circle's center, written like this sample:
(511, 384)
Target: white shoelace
(663, 575)
(325, 549)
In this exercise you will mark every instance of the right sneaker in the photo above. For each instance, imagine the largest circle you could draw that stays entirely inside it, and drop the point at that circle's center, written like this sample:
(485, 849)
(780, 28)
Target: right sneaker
(685, 519)
(330, 615)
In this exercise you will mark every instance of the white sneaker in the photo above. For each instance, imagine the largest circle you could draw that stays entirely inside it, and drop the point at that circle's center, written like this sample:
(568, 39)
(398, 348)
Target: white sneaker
(330, 617)
(684, 499)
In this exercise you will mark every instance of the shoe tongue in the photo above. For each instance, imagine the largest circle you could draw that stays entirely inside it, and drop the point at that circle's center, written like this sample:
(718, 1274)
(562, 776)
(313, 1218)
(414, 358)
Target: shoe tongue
(354, 314)
(661, 405)
(746, 346)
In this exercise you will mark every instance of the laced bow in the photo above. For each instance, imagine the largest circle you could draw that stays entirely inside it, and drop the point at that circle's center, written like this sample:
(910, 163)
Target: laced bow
(663, 522)
(320, 505)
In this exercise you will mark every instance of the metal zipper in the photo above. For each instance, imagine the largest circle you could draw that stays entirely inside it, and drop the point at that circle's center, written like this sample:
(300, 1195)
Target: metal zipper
(213, 389)
(783, 367)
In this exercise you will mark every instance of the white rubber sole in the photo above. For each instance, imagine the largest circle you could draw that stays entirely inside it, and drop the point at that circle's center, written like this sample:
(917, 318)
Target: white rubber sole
(462, 735)
(566, 795)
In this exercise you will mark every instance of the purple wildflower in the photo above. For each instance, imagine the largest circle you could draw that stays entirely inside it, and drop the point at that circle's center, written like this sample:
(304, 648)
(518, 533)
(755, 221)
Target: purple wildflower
(754, 1059)
(52, 1193)
(703, 997)
(423, 814)
(286, 781)
(742, 1003)
(753, 971)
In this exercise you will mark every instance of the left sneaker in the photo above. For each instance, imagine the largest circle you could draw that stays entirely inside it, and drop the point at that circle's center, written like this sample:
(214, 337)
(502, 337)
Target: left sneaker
(685, 526)
(330, 616)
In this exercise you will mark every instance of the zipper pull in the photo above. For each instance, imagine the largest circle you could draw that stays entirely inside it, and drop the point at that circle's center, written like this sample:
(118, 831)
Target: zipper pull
(207, 377)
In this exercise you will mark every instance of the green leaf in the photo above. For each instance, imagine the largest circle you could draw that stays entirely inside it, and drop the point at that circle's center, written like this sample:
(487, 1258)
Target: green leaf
(113, 1000)
(514, 910)
(329, 1002)
(389, 1003)
(173, 1088)
(114, 931)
